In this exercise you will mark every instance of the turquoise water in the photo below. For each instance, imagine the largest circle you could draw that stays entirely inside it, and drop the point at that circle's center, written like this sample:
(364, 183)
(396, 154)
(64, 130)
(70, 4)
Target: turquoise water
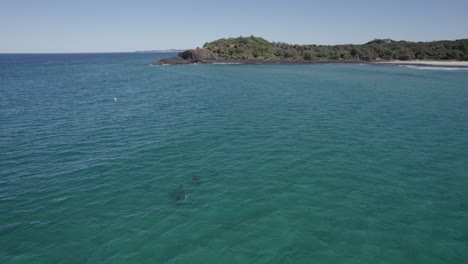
(321, 163)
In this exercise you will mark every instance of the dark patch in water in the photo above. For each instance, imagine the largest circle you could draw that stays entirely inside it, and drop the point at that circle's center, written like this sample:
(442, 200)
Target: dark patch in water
(179, 194)
(147, 187)
(196, 180)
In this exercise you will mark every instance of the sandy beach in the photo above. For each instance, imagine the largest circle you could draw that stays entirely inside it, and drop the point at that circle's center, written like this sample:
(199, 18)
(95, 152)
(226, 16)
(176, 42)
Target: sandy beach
(428, 63)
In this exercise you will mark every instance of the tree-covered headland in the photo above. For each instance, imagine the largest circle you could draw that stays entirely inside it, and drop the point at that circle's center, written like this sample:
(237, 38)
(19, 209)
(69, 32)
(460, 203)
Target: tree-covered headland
(258, 49)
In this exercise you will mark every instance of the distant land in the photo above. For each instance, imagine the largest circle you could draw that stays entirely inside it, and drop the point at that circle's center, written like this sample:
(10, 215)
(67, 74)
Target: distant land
(255, 50)
(166, 50)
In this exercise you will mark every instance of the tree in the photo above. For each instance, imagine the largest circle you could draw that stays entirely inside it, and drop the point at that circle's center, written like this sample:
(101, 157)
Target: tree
(307, 56)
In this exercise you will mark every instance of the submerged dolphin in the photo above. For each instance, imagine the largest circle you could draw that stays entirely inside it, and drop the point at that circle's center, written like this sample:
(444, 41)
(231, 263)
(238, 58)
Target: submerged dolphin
(196, 179)
(180, 195)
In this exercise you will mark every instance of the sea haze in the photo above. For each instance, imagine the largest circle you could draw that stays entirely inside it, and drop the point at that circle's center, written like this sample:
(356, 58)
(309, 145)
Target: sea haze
(106, 159)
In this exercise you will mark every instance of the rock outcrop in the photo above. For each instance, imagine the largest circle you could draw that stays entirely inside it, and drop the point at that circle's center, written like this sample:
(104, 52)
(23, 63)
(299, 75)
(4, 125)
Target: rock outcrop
(190, 57)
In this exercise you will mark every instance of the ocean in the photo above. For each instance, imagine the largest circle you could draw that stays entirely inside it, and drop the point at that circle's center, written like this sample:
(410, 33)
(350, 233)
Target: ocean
(106, 159)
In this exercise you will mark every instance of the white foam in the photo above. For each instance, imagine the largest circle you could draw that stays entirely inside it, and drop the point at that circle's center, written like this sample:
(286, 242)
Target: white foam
(434, 68)
(226, 63)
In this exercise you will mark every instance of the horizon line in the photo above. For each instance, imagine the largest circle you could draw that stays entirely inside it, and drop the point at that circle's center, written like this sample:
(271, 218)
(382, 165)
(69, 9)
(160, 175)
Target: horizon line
(177, 50)
(87, 52)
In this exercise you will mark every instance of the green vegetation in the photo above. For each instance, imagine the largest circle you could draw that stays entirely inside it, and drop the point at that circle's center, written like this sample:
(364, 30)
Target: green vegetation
(254, 48)
(242, 48)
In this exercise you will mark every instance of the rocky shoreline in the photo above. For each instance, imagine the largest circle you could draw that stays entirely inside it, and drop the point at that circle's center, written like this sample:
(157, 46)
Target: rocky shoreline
(178, 61)
(201, 56)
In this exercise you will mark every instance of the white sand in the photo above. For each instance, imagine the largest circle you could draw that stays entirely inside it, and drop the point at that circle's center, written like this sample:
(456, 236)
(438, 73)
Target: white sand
(428, 63)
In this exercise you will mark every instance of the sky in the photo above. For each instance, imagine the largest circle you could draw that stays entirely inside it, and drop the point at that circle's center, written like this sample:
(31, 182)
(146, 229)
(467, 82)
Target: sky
(61, 26)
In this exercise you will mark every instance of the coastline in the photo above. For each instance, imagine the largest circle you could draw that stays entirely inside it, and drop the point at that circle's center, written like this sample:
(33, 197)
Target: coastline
(454, 64)
(426, 63)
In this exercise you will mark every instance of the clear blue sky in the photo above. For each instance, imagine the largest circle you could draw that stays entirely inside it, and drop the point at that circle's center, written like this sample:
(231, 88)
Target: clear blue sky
(105, 25)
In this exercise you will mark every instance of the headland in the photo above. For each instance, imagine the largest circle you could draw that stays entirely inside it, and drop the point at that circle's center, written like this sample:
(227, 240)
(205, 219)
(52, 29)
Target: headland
(255, 50)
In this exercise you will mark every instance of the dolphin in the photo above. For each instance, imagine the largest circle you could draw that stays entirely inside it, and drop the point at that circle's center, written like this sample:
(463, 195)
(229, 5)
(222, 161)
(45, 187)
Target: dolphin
(180, 195)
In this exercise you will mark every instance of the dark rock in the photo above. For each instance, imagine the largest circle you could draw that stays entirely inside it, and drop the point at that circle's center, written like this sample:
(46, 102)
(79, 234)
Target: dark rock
(189, 57)
(172, 61)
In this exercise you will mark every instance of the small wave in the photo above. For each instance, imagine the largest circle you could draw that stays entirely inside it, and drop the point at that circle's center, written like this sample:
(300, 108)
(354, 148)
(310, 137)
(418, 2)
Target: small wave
(434, 68)
(226, 63)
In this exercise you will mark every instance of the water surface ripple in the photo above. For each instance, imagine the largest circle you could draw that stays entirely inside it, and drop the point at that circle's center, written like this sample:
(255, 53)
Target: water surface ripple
(320, 163)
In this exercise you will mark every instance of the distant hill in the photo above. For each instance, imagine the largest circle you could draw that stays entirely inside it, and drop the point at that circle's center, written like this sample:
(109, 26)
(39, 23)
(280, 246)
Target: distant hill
(258, 50)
